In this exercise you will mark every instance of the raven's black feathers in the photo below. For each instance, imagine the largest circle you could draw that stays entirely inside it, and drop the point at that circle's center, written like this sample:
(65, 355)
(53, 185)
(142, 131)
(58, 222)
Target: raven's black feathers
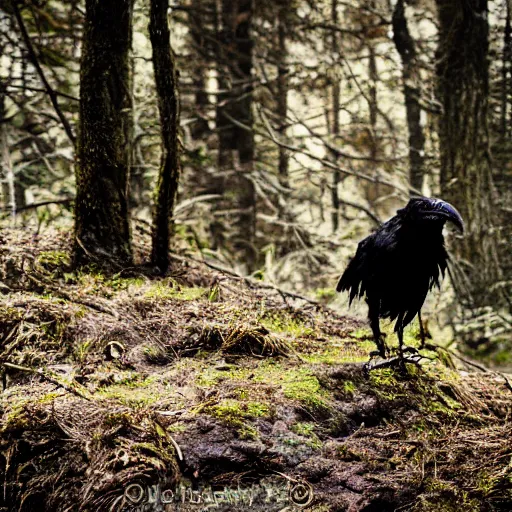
(398, 264)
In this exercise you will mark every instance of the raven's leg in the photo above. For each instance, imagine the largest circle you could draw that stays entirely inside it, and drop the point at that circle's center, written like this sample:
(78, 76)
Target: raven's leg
(399, 329)
(423, 333)
(400, 333)
(377, 335)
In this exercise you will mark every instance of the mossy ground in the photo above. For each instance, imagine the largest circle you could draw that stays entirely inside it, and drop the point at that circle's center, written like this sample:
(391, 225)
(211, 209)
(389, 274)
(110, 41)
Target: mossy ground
(201, 377)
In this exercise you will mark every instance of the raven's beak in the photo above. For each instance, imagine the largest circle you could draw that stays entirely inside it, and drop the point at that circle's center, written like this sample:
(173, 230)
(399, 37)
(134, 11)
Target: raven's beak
(447, 211)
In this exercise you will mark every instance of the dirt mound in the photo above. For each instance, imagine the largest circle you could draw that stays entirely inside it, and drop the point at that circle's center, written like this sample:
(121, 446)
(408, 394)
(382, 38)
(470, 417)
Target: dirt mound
(206, 391)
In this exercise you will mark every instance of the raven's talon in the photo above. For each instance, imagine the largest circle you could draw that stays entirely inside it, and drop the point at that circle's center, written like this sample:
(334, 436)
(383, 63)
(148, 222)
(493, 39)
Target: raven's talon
(393, 362)
(411, 350)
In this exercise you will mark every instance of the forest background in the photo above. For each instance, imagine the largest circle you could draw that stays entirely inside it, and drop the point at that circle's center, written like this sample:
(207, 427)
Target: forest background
(300, 126)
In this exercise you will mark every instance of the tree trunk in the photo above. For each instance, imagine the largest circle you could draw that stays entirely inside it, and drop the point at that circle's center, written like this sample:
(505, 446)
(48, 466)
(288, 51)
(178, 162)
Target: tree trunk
(372, 190)
(502, 152)
(6, 170)
(336, 177)
(167, 91)
(234, 122)
(411, 78)
(282, 90)
(102, 229)
(466, 179)
(198, 28)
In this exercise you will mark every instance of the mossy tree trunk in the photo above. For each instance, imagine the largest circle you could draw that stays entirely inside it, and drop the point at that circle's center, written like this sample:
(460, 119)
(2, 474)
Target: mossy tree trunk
(167, 92)
(102, 229)
(411, 79)
(466, 172)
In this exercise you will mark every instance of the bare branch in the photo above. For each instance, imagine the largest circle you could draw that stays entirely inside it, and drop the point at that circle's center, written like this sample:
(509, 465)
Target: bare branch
(33, 58)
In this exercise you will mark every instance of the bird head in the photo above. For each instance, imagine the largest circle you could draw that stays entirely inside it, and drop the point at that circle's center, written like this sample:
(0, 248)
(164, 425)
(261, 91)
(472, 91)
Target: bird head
(431, 209)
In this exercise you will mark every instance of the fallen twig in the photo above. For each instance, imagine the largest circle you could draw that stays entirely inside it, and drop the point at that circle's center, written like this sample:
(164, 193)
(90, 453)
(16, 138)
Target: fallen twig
(42, 373)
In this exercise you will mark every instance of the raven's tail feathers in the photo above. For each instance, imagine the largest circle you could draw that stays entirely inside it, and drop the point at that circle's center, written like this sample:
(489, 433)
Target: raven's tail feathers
(350, 281)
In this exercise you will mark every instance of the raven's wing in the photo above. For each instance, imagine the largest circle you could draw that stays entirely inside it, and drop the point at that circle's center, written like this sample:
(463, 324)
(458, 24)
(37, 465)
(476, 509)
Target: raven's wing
(353, 279)
(440, 265)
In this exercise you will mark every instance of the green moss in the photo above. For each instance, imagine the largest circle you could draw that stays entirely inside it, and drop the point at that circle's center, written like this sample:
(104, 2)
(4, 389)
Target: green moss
(325, 294)
(54, 260)
(131, 395)
(231, 411)
(94, 281)
(386, 385)
(121, 283)
(130, 379)
(159, 454)
(349, 387)
(49, 397)
(210, 376)
(177, 427)
(302, 386)
(340, 353)
(297, 384)
(303, 429)
(16, 418)
(237, 413)
(362, 333)
(285, 324)
(167, 289)
(443, 496)
(8, 314)
(114, 419)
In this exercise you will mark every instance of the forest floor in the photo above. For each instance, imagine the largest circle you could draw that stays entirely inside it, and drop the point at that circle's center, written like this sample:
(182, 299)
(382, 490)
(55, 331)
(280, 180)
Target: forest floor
(205, 391)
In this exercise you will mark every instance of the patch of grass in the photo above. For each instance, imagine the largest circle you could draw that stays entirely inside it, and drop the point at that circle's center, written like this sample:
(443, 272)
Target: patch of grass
(131, 396)
(325, 294)
(286, 324)
(130, 389)
(123, 283)
(82, 350)
(244, 339)
(362, 333)
(156, 354)
(94, 281)
(339, 353)
(211, 376)
(168, 289)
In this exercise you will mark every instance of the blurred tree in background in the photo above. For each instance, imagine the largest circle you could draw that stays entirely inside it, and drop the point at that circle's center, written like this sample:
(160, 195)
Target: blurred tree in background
(302, 125)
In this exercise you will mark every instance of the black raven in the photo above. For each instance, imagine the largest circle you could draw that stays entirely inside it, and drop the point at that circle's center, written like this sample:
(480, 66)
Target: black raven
(399, 263)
